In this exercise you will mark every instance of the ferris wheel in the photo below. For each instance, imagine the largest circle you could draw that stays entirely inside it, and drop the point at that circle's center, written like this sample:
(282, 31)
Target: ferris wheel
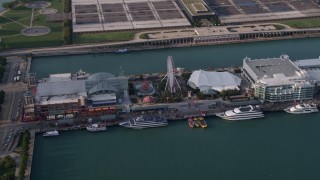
(172, 83)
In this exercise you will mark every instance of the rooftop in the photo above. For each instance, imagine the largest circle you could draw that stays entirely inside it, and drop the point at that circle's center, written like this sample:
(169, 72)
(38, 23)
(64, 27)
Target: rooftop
(273, 67)
(237, 11)
(60, 77)
(308, 63)
(217, 81)
(113, 15)
(60, 88)
(197, 7)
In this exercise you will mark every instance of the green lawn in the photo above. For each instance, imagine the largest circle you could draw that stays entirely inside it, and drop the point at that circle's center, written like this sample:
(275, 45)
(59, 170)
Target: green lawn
(302, 23)
(7, 32)
(22, 15)
(103, 37)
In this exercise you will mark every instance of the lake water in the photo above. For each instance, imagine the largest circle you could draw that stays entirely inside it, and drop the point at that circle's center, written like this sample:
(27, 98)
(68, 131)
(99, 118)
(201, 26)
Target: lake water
(280, 146)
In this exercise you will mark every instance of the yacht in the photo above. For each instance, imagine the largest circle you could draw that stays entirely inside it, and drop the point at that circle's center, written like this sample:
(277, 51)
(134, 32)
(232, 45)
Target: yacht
(242, 113)
(96, 127)
(302, 108)
(51, 133)
(145, 121)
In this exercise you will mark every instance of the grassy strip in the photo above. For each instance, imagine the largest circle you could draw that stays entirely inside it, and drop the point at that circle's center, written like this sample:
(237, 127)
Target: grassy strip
(103, 37)
(302, 23)
(144, 36)
(279, 27)
(24, 154)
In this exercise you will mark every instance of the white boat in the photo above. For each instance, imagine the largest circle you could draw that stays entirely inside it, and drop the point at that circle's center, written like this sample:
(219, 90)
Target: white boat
(120, 51)
(241, 113)
(96, 127)
(51, 133)
(145, 121)
(302, 108)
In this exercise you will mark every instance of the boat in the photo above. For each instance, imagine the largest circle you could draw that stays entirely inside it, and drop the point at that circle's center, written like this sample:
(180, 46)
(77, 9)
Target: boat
(202, 114)
(191, 122)
(302, 108)
(51, 133)
(121, 51)
(242, 113)
(145, 121)
(96, 127)
(196, 121)
(203, 122)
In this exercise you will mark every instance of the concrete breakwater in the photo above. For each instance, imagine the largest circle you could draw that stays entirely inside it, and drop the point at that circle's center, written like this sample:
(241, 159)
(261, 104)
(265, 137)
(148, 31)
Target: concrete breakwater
(160, 44)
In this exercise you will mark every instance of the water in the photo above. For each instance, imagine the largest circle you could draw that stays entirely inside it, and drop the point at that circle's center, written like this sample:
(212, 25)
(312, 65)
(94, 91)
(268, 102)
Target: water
(190, 58)
(280, 146)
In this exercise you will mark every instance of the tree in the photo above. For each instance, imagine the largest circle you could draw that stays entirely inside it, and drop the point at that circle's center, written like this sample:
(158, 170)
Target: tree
(2, 94)
(3, 61)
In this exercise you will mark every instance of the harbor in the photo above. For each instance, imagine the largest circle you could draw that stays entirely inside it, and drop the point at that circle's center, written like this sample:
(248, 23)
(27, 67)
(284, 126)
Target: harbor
(256, 130)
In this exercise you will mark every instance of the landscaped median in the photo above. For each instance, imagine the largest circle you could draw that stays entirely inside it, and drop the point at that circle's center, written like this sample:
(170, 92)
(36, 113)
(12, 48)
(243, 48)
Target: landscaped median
(103, 37)
(25, 138)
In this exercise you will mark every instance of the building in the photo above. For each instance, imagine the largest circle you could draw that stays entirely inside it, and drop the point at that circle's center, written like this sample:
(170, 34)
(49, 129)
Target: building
(278, 79)
(312, 66)
(210, 82)
(126, 15)
(66, 96)
(196, 9)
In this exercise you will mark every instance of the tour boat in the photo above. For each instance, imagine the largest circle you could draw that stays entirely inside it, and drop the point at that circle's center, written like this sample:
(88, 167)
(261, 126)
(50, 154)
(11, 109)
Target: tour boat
(51, 133)
(145, 121)
(241, 113)
(96, 127)
(302, 108)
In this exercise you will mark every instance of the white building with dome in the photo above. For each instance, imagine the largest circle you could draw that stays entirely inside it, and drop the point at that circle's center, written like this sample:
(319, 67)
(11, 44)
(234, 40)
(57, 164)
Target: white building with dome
(208, 82)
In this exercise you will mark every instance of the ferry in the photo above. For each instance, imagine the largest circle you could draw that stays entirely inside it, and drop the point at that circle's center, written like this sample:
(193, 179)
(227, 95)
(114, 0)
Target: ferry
(241, 113)
(191, 122)
(302, 108)
(145, 121)
(51, 133)
(196, 122)
(96, 127)
(121, 51)
(203, 122)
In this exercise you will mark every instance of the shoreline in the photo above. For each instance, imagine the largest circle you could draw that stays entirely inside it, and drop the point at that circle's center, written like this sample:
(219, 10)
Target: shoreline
(152, 44)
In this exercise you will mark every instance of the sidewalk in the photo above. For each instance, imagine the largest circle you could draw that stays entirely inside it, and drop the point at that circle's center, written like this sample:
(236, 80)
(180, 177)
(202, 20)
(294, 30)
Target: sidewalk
(30, 157)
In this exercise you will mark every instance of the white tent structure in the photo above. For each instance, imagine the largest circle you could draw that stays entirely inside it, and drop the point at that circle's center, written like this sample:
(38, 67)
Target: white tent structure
(208, 82)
